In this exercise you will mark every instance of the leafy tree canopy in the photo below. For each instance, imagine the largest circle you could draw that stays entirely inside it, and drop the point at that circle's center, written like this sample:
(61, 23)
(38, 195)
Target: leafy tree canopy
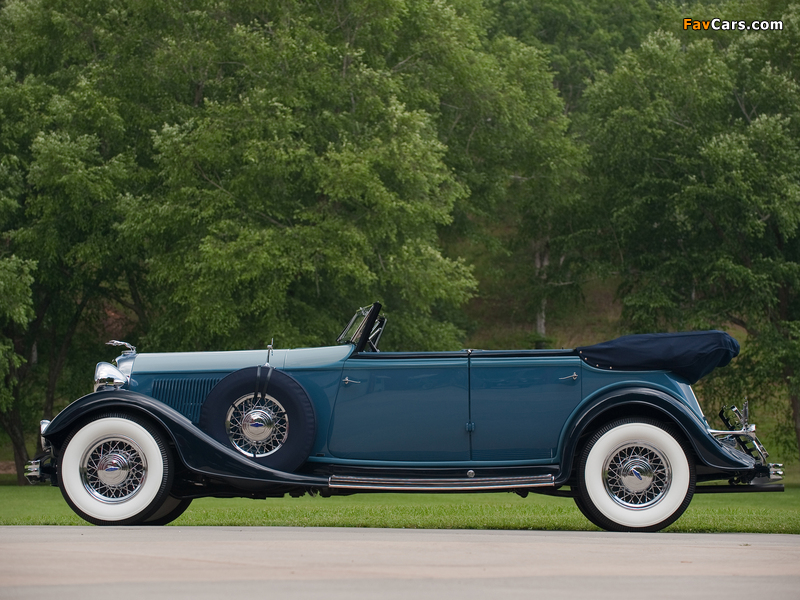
(212, 174)
(695, 167)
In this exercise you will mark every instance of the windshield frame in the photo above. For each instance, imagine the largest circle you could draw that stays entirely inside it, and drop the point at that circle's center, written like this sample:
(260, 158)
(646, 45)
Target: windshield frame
(362, 321)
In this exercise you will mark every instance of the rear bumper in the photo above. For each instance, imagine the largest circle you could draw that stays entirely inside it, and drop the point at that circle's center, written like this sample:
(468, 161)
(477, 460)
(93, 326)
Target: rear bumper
(741, 436)
(737, 489)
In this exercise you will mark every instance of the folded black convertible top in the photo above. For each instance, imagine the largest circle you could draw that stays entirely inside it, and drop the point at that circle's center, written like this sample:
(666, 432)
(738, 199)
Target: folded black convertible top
(691, 354)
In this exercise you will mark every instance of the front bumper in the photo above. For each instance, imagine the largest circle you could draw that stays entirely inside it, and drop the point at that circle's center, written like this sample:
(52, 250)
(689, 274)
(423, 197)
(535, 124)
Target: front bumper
(41, 468)
(33, 471)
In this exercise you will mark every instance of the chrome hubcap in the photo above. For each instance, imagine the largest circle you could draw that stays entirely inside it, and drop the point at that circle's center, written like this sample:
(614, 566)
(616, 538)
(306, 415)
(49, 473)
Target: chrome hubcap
(257, 428)
(257, 425)
(113, 469)
(637, 475)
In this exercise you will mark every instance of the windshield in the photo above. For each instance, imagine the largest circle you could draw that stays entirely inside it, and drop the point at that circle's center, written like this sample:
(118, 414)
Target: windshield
(352, 332)
(364, 329)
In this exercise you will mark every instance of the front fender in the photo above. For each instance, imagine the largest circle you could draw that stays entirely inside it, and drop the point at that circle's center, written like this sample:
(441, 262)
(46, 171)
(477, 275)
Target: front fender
(710, 452)
(198, 451)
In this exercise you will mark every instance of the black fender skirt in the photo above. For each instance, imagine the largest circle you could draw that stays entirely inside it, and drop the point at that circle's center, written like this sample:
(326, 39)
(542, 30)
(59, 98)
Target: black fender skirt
(199, 452)
(709, 452)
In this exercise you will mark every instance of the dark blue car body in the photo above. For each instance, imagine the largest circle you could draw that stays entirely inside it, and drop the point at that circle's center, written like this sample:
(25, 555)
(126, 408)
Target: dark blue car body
(473, 420)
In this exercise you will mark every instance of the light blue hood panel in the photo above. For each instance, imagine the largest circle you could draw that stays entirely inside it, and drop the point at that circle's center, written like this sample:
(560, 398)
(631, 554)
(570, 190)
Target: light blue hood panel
(193, 362)
(182, 380)
(315, 358)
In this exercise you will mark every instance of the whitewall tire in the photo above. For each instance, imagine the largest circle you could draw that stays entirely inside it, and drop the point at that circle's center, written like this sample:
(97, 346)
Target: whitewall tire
(115, 470)
(635, 474)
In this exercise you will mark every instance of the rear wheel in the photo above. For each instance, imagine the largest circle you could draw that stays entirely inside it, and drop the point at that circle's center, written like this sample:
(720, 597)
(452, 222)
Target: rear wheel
(115, 470)
(635, 475)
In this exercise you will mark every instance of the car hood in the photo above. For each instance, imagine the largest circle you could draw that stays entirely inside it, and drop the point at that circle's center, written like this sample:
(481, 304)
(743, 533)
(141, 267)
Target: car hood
(186, 362)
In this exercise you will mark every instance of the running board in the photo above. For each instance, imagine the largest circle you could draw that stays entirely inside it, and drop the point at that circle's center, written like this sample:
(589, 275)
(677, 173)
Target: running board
(349, 482)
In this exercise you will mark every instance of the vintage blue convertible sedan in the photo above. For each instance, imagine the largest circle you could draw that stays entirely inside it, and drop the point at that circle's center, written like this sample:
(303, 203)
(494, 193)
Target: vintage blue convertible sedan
(614, 426)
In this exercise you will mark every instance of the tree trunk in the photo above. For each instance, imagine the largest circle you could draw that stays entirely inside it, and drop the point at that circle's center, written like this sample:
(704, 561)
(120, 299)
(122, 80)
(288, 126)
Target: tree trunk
(57, 360)
(794, 399)
(541, 319)
(12, 423)
(542, 261)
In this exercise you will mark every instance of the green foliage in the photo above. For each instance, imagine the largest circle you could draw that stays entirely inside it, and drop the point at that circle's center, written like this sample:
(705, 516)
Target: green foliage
(308, 191)
(697, 193)
(15, 311)
(215, 174)
(583, 38)
(754, 513)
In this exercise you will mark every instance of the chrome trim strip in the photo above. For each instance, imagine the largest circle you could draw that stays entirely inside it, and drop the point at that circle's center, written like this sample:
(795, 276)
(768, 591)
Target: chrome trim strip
(350, 482)
(749, 431)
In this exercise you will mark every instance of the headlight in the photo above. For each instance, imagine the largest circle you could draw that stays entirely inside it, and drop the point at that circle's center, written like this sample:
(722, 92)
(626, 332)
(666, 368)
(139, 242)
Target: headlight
(42, 428)
(107, 375)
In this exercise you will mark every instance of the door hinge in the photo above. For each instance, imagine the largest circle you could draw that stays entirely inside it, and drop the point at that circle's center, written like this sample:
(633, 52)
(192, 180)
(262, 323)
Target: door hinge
(470, 426)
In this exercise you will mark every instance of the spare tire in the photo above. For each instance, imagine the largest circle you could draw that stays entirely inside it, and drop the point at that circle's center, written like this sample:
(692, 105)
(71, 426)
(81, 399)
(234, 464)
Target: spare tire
(264, 414)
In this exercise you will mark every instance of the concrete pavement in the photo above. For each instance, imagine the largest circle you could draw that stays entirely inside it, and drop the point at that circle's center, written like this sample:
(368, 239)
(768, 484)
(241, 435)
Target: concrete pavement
(340, 563)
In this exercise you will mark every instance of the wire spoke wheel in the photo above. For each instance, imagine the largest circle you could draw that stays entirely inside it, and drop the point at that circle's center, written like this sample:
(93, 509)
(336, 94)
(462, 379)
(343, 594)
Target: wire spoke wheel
(114, 470)
(257, 427)
(263, 414)
(635, 474)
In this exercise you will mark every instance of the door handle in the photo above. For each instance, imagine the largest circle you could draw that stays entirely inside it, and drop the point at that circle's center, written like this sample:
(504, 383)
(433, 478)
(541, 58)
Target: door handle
(347, 380)
(574, 376)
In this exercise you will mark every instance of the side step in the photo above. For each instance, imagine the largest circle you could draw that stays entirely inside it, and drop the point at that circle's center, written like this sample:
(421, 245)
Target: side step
(349, 482)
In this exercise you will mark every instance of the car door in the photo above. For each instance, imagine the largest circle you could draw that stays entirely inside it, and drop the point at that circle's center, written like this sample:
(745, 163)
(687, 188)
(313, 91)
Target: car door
(402, 407)
(519, 404)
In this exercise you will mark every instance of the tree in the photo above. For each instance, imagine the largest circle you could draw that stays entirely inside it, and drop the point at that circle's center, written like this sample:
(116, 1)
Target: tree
(697, 194)
(15, 312)
(59, 188)
(214, 174)
(583, 38)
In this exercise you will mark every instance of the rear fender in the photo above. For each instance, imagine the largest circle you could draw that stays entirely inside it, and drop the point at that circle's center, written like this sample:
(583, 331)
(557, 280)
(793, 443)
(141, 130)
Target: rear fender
(198, 451)
(638, 400)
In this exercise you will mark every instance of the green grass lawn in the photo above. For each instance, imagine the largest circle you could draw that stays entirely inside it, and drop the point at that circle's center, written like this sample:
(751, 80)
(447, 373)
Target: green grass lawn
(755, 513)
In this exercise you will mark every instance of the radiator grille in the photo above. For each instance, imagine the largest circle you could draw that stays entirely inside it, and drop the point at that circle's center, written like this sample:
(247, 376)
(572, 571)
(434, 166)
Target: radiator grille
(184, 395)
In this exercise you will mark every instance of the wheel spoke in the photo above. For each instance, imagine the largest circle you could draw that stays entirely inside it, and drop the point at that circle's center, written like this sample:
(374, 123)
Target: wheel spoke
(113, 469)
(637, 475)
(257, 427)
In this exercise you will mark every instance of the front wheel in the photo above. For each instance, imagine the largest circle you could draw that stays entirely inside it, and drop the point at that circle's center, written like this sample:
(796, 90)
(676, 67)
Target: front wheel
(115, 470)
(635, 475)
(169, 511)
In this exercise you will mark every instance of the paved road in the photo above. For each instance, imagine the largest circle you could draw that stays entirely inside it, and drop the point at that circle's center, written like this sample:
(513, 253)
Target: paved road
(349, 564)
